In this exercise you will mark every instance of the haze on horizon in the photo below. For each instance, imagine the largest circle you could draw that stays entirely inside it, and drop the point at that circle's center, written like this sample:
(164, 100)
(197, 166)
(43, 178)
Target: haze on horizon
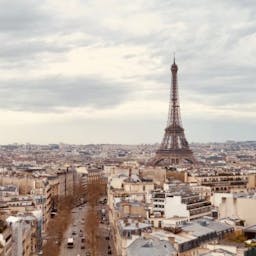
(99, 71)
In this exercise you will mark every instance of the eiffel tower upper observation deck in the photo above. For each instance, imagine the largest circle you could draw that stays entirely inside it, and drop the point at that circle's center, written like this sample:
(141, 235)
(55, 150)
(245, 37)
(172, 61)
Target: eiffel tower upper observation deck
(174, 148)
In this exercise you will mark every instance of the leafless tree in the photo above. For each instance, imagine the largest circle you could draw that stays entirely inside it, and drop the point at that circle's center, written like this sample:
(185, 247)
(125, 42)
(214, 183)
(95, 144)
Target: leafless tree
(176, 175)
(57, 226)
(95, 190)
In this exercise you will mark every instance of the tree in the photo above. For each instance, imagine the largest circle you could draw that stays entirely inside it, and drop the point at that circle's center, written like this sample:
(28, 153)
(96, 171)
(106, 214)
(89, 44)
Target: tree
(96, 188)
(57, 226)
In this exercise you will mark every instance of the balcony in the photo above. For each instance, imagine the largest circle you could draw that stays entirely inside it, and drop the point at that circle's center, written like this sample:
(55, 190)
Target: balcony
(198, 205)
(158, 195)
(191, 200)
(236, 183)
(200, 210)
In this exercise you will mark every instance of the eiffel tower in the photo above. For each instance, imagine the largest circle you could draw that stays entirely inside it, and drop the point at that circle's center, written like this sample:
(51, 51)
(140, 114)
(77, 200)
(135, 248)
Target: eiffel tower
(174, 149)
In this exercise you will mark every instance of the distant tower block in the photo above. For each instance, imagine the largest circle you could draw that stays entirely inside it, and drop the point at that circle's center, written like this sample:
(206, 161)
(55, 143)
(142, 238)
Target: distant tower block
(174, 148)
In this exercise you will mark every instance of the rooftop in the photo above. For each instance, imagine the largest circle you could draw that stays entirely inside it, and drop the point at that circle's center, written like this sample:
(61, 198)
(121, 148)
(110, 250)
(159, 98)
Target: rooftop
(131, 226)
(251, 229)
(150, 246)
(205, 226)
(218, 252)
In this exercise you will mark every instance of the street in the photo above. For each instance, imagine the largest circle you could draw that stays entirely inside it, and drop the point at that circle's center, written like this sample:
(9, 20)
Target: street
(76, 231)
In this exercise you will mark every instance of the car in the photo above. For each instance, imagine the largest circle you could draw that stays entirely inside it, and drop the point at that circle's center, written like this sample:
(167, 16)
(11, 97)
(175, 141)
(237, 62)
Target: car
(107, 237)
(88, 254)
(83, 239)
(57, 242)
(81, 235)
(109, 252)
(82, 246)
(73, 232)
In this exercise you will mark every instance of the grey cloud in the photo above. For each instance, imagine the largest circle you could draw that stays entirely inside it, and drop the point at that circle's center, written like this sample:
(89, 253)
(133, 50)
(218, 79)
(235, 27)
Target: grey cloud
(209, 72)
(53, 93)
(230, 86)
(27, 49)
(23, 25)
(24, 17)
(27, 26)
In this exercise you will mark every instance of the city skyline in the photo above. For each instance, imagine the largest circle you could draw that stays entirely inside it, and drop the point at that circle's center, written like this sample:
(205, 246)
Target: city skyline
(95, 72)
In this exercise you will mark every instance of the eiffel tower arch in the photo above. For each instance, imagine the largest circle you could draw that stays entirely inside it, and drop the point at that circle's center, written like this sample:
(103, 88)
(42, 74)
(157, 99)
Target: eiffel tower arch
(174, 148)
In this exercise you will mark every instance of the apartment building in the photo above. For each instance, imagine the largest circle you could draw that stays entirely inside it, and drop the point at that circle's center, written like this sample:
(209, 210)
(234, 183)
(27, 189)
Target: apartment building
(179, 199)
(142, 216)
(127, 231)
(5, 239)
(188, 240)
(169, 205)
(24, 230)
(138, 188)
(131, 208)
(128, 196)
(191, 236)
(131, 187)
(8, 190)
(236, 205)
(219, 181)
(66, 179)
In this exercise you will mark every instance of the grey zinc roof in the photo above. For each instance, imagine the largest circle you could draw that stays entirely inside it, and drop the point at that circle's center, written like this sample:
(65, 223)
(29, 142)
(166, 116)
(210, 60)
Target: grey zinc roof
(197, 229)
(218, 226)
(150, 247)
(218, 252)
(133, 226)
(251, 229)
(205, 226)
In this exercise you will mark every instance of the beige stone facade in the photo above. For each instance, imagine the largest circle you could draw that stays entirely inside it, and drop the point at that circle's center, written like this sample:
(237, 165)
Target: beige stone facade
(6, 239)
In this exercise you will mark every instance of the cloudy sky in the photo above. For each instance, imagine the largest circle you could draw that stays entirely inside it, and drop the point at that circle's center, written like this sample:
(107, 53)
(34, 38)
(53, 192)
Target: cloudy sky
(95, 71)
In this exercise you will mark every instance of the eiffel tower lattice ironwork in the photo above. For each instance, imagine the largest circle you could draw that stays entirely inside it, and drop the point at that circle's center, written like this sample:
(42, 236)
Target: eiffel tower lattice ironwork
(174, 148)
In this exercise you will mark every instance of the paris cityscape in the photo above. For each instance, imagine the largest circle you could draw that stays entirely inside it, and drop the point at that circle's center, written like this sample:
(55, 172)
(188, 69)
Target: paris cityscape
(128, 129)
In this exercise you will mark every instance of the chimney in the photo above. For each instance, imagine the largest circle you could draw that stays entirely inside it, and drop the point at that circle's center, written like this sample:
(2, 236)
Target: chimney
(130, 173)
(171, 239)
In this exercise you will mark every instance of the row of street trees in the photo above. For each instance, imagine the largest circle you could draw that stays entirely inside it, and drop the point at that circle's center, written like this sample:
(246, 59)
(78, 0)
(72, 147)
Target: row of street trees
(58, 225)
(96, 189)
